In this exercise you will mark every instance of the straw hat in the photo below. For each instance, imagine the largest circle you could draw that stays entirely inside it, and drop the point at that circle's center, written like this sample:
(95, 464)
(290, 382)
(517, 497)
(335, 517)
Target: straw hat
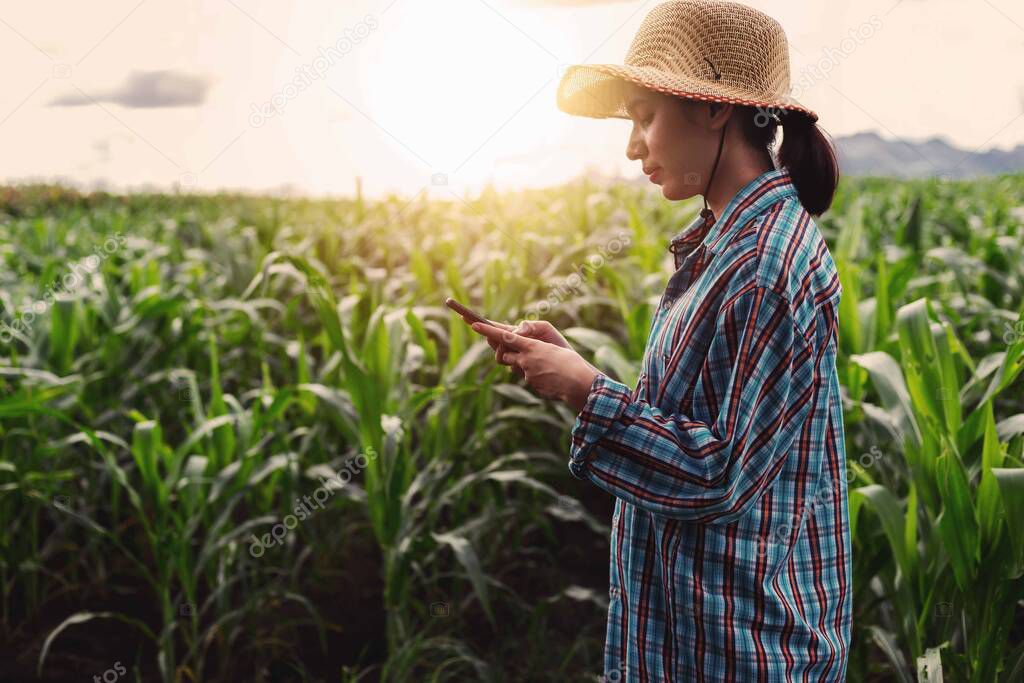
(711, 50)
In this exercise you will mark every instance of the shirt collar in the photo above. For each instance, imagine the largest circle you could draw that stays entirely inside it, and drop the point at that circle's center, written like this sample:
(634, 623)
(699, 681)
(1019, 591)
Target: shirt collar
(754, 198)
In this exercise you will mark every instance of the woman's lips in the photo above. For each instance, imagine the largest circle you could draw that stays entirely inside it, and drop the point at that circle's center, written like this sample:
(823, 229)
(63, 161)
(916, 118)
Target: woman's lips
(655, 175)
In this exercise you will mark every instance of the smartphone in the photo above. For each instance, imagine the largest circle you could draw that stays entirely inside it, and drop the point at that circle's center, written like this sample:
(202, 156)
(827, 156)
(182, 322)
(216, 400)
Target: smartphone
(466, 311)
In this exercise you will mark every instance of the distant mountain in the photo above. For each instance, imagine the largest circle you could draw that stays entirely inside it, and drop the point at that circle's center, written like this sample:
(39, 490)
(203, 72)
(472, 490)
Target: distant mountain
(870, 154)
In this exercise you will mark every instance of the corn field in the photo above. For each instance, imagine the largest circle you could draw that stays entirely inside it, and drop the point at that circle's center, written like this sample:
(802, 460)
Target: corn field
(243, 439)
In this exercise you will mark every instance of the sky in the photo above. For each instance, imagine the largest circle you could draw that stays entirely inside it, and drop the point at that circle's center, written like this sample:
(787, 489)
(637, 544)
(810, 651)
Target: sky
(439, 96)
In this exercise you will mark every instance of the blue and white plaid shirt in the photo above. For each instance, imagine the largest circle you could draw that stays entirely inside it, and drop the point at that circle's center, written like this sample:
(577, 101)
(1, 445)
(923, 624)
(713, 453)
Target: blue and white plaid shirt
(730, 541)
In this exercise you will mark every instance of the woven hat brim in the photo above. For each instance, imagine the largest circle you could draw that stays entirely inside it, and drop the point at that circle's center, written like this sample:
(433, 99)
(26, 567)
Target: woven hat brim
(599, 90)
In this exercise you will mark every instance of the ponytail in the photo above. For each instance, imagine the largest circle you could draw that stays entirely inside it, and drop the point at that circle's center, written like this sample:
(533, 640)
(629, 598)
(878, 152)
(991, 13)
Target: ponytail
(806, 153)
(810, 158)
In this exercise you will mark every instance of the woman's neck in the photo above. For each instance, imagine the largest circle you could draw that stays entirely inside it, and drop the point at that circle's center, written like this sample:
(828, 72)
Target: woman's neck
(732, 175)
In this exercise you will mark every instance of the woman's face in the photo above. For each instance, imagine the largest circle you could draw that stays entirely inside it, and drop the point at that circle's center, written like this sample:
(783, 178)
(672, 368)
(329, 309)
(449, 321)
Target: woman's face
(673, 138)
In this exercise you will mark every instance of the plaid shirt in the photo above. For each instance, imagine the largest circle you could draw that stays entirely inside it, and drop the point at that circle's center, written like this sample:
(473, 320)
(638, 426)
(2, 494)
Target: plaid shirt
(730, 541)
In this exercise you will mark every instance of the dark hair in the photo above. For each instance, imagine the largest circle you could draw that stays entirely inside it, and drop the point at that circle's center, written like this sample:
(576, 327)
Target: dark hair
(806, 152)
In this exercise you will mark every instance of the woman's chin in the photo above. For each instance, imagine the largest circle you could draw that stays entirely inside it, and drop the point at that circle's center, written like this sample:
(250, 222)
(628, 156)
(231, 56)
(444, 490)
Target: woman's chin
(669, 190)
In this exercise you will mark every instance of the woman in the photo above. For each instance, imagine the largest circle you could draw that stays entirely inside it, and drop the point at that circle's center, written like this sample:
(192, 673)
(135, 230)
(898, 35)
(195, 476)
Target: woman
(730, 544)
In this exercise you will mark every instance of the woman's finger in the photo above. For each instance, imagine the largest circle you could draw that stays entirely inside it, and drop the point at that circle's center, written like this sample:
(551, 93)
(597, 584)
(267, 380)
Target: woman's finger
(509, 339)
(516, 370)
(503, 326)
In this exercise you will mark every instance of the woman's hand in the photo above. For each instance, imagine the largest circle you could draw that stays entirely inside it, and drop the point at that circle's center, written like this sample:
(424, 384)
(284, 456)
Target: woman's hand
(534, 329)
(552, 370)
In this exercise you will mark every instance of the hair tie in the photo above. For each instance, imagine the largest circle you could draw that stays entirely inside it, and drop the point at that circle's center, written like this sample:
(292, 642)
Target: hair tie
(797, 121)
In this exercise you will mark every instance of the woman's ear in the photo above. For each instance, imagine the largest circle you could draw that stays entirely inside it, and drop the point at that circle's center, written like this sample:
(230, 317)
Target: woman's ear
(719, 113)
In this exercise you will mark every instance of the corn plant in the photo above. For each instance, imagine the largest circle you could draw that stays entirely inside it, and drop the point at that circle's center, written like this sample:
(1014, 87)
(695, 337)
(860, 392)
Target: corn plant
(173, 400)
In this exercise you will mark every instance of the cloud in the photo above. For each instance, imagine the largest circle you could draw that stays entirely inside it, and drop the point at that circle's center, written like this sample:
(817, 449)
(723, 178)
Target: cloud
(145, 90)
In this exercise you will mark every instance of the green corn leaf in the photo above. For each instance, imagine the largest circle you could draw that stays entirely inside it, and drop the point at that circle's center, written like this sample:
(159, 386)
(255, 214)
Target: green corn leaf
(467, 557)
(886, 642)
(223, 435)
(81, 618)
(958, 524)
(611, 360)
(1011, 490)
(147, 440)
(590, 339)
(889, 382)
(920, 362)
(884, 504)
(851, 335)
(989, 507)
(64, 333)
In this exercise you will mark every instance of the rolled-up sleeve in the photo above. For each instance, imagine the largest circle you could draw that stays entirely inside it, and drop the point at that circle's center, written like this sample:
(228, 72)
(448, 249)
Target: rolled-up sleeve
(674, 465)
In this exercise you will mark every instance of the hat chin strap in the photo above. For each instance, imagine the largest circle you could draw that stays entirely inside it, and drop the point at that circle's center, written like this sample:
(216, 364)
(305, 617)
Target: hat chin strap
(706, 213)
(678, 245)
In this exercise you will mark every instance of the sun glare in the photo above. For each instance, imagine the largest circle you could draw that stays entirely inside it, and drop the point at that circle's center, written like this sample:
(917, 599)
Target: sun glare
(457, 87)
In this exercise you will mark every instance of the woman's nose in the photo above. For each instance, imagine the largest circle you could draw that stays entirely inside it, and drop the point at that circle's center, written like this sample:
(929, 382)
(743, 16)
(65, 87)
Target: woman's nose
(633, 150)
